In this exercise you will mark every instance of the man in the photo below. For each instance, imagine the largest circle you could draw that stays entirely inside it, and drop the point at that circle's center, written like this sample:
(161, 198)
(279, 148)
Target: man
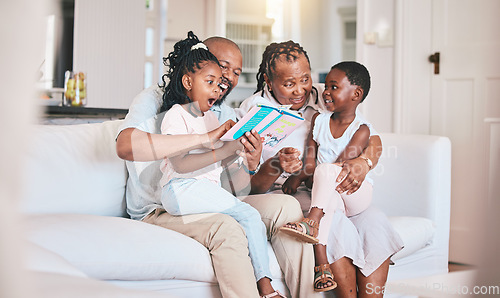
(230, 59)
(139, 140)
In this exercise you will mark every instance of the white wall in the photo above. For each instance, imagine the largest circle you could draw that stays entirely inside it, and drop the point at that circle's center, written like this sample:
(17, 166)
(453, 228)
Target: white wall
(190, 15)
(248, 8)
(373, 16)
(109, 45)
(313, 32)
(401, 75)
(321, 31)
(205, 18)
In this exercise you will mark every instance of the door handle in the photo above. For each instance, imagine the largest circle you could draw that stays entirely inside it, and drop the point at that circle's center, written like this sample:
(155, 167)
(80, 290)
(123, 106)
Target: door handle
(434, 58)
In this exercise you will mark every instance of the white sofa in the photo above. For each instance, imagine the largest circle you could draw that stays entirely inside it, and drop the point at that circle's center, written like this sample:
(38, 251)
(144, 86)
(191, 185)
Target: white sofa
(77, 228)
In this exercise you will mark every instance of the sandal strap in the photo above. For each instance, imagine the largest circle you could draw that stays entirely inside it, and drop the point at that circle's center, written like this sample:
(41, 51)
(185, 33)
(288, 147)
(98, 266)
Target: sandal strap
(322, 267)
(310, 222)
(309, 226)
(322, 274)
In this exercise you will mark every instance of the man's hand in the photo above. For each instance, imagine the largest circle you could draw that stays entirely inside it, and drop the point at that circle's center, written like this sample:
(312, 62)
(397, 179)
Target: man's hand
(289, 159)
(252, 149)
(352, 175)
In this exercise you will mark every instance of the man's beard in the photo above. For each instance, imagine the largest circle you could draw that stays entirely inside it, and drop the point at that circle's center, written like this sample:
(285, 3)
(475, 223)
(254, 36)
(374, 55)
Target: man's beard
(223, 98)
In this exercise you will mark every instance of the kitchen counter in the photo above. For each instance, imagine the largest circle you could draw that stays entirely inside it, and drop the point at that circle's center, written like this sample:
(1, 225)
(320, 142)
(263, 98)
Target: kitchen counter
(57, 115)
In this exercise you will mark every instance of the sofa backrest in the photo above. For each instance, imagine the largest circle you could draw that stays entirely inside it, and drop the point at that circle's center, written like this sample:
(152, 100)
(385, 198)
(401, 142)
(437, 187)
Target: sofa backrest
(413, 176)
(75, 169)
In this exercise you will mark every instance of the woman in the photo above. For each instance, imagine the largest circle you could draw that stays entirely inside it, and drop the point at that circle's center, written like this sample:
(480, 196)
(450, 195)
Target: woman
(363, 244)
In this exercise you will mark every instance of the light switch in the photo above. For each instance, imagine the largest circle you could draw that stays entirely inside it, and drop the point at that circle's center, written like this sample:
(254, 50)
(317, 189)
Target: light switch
(370, 37)
(385, 37)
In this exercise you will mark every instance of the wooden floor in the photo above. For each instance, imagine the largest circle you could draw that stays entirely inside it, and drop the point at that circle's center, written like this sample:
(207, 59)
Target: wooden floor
(453, 267)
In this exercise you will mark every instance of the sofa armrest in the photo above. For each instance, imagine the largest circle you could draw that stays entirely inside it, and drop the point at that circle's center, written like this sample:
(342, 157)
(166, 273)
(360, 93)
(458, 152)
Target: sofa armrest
(413, 178)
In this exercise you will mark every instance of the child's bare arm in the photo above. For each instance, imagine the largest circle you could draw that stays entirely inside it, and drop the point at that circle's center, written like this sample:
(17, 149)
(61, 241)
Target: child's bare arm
(185, 163)
(136, 145)
(358, 143)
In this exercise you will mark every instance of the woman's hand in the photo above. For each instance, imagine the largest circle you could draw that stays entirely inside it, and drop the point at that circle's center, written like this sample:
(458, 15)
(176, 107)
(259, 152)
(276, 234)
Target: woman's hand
(252, 149)
(216, 134)
(289, 159)
(353, 173)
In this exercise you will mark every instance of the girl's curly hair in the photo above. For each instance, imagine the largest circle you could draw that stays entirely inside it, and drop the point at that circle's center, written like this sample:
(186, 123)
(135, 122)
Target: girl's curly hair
(183, 59)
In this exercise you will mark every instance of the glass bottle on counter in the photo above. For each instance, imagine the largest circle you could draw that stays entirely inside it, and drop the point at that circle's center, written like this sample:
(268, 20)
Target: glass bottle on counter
(75, 89)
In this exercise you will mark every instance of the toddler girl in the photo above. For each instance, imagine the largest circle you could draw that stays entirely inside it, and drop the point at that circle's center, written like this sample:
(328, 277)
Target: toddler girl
(191, 182)
(336, 135)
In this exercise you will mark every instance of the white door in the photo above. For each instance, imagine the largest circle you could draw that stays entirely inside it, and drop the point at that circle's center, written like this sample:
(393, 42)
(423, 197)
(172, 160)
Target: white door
(464, 93)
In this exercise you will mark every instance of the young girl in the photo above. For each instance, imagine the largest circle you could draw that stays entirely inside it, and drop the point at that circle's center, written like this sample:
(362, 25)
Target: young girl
(191, 182)
(335, 136)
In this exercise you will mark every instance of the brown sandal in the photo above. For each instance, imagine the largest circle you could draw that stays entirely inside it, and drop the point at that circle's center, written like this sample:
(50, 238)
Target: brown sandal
(322, 276)
(308, 232)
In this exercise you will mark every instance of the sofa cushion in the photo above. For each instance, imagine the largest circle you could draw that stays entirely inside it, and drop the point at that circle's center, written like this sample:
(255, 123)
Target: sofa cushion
(43, 260)
(53, 285)
(75, 169)
(119, 248)
(416, 233)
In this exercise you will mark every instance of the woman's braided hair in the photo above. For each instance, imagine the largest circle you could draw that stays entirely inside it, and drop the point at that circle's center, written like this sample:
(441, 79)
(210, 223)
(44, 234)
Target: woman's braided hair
(290, 50)
(181, 60)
